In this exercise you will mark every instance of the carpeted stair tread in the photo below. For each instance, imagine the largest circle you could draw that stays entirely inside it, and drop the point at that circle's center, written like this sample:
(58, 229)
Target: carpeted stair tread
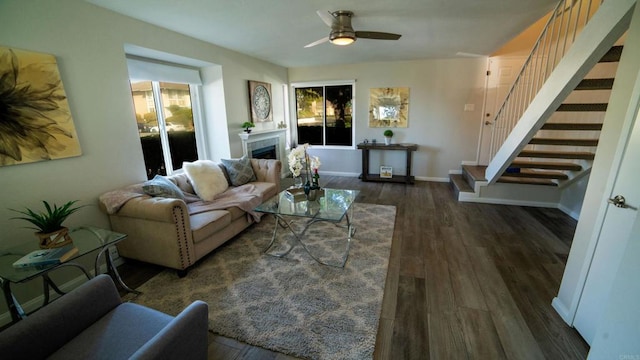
(527, 173)
(613, 55)
(589, 107)
(596, 84)
(529, 181)
(581, 155)
(547, 165)
(567, 142)
(572, 126)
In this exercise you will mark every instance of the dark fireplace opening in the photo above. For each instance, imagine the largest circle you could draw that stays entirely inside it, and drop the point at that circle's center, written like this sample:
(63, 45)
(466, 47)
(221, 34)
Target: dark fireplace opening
(267, 152)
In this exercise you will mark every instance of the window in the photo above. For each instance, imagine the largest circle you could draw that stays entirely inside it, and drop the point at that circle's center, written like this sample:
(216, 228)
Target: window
(324, 113)
(165, 112)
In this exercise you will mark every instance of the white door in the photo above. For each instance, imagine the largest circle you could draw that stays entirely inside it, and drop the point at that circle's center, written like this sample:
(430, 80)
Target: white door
(613, 239)
(502, 73)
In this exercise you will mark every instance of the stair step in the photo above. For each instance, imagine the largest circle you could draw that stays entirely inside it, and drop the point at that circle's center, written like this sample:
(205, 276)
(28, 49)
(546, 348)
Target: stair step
(583, 107)
(546, 165)
(459, 184)
(529, 181)
(568, 142)
(595, 84)
(581, 155)
(572, 126)
(524, 173)
(613, 55)
(474, 172)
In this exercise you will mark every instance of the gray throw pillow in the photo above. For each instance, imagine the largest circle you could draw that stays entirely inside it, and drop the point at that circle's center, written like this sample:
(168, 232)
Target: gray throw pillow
(161, 186)
(239, 170)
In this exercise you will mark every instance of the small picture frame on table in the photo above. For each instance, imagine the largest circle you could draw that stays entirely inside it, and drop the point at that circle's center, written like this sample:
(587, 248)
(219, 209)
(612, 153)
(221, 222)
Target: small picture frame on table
(386, 172)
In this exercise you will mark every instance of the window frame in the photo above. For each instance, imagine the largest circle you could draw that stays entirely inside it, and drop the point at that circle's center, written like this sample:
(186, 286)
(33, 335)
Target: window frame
(324, 83)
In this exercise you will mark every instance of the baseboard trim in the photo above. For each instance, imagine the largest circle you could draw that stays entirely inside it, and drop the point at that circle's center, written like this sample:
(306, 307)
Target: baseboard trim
(455, 172)
(574, 214)
(469, 162)
(562, 311)
(432, 179)
(497, 201)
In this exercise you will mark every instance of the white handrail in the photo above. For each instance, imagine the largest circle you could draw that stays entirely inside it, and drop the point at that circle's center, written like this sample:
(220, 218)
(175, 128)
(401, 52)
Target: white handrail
(565, 21)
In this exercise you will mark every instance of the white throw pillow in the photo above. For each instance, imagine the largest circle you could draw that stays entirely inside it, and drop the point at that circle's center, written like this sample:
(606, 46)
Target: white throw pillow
(206, 177)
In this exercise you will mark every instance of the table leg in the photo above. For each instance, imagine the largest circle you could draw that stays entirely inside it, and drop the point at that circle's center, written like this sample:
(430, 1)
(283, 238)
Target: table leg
(16, 311)
(280, 221)
(112, 270)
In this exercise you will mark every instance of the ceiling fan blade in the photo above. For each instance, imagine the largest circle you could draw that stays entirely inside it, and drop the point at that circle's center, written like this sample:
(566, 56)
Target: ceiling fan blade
(317, 42)
(326, 17)
(377, 35)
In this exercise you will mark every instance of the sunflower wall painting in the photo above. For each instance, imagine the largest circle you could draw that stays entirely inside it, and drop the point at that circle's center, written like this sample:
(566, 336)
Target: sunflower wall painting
(35, 121)
(389, 107)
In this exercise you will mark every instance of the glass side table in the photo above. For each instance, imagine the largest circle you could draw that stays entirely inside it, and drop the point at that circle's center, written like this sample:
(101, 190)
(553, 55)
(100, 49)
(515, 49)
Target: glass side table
(86, 238)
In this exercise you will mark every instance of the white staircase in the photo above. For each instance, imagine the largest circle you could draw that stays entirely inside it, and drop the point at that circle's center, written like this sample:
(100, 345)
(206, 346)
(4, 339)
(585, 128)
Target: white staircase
(539, 135)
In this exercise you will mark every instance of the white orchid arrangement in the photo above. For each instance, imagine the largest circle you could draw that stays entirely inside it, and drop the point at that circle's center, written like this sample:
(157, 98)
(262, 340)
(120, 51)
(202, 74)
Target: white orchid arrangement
(299, 159)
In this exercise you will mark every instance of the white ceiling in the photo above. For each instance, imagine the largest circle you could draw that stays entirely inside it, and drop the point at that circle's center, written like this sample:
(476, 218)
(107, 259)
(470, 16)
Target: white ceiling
(277, 30)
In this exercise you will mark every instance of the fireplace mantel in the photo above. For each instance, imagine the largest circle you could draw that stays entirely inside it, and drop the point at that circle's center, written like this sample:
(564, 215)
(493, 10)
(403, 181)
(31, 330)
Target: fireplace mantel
(271, 137)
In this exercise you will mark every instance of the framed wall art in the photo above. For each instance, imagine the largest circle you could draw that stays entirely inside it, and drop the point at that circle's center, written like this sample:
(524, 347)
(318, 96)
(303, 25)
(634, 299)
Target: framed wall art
(37, 122)
(389, 107)
(260, 99)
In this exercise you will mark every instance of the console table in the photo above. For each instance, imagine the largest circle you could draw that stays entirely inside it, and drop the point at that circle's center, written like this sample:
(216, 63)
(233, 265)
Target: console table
(366, 176)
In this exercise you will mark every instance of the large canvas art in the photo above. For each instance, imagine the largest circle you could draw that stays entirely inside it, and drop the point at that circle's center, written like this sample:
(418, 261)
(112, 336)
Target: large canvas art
(35, 121)
(389, 107)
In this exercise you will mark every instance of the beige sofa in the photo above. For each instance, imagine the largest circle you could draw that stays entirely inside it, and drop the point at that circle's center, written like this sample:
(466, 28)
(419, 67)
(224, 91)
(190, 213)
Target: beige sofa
(176, 233)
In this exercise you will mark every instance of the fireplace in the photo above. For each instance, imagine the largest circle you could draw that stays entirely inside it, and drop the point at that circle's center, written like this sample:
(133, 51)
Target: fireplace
(266, 144)
(267, 152)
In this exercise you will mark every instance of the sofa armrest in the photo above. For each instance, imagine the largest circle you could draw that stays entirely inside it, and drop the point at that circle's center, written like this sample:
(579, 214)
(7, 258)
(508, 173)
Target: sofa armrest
(42, 333)
(267, 170)
(185, 337)
(154, 208)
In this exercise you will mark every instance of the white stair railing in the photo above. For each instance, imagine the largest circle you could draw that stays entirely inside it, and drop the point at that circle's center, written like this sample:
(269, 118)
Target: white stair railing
(564, 23)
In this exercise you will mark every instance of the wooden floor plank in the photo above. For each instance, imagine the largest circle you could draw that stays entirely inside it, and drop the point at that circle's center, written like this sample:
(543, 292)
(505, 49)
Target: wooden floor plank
(480, 335)
(410, 336)
(516, 255)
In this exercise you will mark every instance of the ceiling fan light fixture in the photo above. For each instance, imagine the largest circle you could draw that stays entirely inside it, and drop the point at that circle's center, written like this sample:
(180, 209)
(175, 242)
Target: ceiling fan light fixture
(342, 38)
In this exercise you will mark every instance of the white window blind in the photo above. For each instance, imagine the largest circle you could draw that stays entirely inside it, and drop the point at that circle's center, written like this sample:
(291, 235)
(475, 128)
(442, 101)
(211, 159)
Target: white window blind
(141, 69)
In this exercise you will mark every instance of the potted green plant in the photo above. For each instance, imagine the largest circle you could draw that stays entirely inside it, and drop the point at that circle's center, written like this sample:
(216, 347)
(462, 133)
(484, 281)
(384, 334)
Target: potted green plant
(50, 232)
(388, 134)
(247, 125)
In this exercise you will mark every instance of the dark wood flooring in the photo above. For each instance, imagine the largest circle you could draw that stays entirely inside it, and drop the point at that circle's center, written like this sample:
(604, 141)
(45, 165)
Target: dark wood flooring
(465, 281)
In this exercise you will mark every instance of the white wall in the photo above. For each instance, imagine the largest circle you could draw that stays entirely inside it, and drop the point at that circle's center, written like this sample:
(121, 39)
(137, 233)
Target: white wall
(88, 44)
(438, 90)
(592, 208)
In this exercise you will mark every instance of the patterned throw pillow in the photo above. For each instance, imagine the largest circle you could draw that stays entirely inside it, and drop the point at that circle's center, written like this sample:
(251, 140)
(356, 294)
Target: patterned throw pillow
(239, 170)
(161, 186)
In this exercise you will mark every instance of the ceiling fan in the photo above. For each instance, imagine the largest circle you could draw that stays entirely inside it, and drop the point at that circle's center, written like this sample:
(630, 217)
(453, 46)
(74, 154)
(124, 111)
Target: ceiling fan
(341, 31)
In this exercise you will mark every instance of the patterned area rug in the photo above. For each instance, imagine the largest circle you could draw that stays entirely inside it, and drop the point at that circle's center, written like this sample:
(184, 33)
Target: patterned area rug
(291, 305)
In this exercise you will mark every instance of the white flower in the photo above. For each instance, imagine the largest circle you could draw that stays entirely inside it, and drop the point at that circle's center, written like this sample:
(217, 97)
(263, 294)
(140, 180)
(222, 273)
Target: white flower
(297, 160)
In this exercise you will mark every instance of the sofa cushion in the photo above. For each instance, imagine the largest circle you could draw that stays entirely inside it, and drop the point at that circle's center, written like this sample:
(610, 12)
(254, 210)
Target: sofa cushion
(161, 186)
(240, 170)
(207, 223)
(206, 178)
(117, 335)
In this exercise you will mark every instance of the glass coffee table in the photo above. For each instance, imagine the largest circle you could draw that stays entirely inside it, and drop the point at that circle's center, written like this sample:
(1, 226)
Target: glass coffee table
(333, 205)
(87, 239)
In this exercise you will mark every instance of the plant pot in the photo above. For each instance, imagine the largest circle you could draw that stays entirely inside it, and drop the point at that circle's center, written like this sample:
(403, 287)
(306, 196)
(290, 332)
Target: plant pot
(387, 140)
(54, 239)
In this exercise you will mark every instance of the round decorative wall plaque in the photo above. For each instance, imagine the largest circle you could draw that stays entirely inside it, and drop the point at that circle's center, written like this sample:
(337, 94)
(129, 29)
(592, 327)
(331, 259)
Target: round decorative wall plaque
(262, 102)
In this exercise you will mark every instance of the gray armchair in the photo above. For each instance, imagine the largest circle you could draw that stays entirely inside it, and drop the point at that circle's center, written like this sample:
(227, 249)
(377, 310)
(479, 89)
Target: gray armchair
(91, 322)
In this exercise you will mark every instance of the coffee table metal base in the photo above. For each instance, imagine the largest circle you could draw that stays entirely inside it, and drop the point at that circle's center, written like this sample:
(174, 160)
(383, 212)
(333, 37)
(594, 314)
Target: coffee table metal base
(280, 221)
